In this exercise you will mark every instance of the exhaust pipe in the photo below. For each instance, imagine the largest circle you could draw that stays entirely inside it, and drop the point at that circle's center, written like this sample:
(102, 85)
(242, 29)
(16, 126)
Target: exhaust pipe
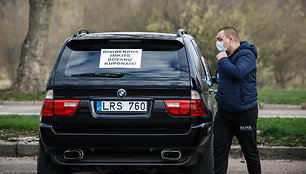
(171, 155)
(73, 154)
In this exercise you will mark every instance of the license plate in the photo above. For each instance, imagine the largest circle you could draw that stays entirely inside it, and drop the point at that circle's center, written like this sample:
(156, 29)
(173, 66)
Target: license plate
(122, 106)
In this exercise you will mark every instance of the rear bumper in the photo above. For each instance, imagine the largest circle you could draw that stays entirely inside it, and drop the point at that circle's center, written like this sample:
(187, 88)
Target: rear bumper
(127, 149)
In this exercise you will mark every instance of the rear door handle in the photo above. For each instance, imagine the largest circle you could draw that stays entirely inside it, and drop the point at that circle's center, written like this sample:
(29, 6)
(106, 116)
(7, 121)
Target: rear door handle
(212, 91)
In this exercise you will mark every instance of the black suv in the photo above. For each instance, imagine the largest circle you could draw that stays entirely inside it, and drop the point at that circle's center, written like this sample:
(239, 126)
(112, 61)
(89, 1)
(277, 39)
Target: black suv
(127, 100)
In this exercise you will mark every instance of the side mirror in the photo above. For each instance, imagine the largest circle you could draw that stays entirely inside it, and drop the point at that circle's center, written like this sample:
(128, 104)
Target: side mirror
(216, 78)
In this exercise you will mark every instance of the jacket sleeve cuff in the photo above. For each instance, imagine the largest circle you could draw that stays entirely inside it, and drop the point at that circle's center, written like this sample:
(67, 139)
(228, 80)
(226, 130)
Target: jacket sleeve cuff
(222, 60)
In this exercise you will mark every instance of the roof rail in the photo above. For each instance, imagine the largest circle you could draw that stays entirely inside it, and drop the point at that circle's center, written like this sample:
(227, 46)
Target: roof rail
(180, 32)
(79, 31)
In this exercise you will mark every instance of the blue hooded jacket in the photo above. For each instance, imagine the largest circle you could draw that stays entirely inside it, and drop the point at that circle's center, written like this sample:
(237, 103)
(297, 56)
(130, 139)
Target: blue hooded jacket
(237, 84)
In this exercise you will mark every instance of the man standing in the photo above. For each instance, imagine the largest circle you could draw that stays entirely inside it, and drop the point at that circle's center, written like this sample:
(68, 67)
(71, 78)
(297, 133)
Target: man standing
(237, 100)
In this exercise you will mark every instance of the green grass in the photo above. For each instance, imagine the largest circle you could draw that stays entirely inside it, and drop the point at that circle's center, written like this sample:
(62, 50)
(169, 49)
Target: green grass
(6, 94)
(283, 131)
(281, 96)
(16, 123)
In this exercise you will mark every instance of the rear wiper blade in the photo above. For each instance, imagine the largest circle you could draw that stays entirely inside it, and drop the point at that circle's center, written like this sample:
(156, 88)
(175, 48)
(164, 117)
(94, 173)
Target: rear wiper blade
(110, 75)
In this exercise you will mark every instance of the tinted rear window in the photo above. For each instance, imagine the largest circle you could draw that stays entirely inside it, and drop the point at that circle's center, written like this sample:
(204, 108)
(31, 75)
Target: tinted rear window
(159, 58)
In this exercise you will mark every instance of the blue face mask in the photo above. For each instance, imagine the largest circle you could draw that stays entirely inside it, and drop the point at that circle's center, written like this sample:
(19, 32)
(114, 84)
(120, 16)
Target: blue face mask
(220, 46)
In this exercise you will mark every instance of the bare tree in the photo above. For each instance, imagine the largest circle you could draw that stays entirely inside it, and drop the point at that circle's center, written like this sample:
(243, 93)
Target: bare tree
(30, 77)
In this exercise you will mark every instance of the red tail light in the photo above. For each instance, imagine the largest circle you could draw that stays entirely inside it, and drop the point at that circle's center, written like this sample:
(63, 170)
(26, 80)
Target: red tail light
(197, 108)
(178, 107)
(59, 107)
(48, 108)
(65, 107)
(193, 107)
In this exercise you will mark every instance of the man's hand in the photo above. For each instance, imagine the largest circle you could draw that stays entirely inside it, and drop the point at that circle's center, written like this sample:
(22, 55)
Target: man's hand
(221, 54)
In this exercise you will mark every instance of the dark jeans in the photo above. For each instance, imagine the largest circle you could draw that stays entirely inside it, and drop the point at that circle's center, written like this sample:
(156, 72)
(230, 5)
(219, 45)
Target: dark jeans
(243, 126)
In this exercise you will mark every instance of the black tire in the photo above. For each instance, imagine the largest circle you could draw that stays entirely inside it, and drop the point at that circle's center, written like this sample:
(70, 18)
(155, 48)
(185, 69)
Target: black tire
(207, 166)
(46, 166)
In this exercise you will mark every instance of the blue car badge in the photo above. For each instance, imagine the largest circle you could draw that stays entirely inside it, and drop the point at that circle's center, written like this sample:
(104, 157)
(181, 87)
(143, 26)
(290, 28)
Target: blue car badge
(121, 93)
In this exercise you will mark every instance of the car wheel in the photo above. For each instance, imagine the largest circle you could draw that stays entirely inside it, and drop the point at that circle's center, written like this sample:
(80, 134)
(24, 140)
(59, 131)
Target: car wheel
(207, 166)
(45, 165)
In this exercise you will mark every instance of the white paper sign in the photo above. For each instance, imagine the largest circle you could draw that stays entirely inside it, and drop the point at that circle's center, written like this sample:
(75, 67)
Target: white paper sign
(120, 58)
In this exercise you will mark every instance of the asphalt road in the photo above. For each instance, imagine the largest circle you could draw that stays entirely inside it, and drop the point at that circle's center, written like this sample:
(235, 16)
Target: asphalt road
(282, 113)
(20, 110)
(35, 110)
(28, 166)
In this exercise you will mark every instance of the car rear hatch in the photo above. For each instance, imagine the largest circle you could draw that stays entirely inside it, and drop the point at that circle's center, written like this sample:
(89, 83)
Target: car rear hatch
(122, 87)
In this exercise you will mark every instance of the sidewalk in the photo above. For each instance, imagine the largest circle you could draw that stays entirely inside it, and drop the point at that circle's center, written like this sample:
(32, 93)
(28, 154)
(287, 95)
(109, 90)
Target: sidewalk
(281, 110)
(20, 107)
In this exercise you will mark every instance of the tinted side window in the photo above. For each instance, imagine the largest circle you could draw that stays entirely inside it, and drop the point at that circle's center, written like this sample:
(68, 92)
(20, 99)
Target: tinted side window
(203, 62)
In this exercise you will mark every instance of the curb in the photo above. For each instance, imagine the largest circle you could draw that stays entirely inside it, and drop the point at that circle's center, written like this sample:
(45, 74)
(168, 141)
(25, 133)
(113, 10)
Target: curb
(25, 148)
(274, 153)
(19, 148)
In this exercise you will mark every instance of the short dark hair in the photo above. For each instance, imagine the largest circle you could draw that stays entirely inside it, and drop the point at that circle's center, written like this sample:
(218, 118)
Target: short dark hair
(230, 31)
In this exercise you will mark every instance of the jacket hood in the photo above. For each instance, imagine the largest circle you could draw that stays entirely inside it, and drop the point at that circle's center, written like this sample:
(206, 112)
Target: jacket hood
(246, 45)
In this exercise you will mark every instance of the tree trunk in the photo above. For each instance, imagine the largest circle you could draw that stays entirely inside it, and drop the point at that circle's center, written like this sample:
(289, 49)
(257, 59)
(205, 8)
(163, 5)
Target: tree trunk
(31, 75)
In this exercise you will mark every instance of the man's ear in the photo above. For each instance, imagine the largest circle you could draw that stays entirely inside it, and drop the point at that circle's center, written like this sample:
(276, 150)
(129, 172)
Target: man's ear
(231, 38)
